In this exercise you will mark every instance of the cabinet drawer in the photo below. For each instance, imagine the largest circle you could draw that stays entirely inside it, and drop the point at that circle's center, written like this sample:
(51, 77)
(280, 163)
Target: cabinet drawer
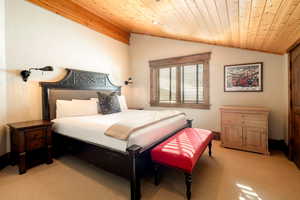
(232, 118)
(259, 121)
(35, 138)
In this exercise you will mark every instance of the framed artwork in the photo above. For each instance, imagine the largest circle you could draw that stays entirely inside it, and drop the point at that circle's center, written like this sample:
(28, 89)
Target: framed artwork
(243, 77)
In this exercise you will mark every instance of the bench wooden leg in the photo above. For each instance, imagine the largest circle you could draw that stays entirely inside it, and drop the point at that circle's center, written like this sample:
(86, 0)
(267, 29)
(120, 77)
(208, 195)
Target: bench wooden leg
(209, 148)
(188, 182)
(156, 174)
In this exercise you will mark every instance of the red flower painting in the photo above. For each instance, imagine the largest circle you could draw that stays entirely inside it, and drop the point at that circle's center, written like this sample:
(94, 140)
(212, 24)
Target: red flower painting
(243, 77)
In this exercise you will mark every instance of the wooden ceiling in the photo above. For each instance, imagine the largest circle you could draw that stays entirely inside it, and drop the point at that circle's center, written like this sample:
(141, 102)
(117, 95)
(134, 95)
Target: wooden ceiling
(263, 25)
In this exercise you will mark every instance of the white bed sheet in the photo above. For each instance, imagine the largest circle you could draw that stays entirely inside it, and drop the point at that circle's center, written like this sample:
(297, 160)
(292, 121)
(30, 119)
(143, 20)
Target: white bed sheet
(92, 129)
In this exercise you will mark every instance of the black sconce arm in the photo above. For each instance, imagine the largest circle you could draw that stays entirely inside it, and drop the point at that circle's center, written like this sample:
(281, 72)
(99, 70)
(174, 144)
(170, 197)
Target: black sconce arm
(26, 73)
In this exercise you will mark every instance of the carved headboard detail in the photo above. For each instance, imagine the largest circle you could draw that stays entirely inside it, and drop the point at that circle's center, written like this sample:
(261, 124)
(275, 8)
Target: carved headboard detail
(75, 80)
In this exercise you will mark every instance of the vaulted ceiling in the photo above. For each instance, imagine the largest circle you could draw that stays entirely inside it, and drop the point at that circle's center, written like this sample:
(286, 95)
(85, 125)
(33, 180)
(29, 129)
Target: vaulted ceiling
(264, 25)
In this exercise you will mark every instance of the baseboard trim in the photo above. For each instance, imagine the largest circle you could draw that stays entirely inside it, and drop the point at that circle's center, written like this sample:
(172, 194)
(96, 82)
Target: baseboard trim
(4, 160)
(273, 144)
(279, 145)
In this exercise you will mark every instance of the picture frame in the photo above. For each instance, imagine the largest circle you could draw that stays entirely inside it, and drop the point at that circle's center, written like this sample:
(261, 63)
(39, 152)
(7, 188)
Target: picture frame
(247, 77)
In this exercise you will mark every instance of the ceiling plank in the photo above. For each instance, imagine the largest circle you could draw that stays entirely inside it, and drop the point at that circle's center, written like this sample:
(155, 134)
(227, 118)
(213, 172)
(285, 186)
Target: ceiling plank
(290, 32)
(233, 12)
(268, 19)
(198, 25)
(281, 18)
(99, 9)
(221, 7)
(214, 18)
(244, 18)
(76, 13)
(257, 10)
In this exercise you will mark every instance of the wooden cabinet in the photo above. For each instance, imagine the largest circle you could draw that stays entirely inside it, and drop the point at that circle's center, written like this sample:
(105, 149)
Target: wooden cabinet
(27, 137)
(245, 128)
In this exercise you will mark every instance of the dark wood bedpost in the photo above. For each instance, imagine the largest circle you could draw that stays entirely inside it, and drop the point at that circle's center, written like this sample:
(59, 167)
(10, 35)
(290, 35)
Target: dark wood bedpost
(190, 122)
(135, 185)
(209, 148)
(45, 96)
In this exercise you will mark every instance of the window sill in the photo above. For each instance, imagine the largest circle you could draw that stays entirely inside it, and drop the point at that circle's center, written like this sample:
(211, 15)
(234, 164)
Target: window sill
(193, 106)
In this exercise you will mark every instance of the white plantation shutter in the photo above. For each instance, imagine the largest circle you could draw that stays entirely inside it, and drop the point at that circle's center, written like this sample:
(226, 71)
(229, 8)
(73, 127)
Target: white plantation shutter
(173, 84)
(164, 82)
(192, 83)
(188, 82)
(167, 85)
(200, 86)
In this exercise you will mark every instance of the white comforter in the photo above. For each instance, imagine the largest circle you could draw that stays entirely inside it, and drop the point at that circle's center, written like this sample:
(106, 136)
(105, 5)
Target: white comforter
(92, 129)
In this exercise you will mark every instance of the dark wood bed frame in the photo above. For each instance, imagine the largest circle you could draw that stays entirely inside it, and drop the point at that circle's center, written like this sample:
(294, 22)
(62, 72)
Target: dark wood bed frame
(132, 164)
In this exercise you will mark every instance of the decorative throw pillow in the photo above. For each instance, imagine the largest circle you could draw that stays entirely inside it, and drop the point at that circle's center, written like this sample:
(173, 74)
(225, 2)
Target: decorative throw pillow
(109, 103)
(122, 102)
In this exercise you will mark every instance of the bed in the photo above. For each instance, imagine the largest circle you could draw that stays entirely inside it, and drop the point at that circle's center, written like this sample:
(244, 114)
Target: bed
(84, 136)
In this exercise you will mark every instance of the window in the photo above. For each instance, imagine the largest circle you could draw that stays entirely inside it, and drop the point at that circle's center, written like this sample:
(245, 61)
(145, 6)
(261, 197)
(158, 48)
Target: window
(180, 82)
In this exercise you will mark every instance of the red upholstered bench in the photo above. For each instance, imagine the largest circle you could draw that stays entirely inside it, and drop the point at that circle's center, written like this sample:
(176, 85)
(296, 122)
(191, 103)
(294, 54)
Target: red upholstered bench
(182, 151)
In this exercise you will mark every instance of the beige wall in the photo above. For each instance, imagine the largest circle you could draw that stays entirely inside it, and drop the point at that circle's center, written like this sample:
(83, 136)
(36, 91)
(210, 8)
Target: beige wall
(144, 48)
(2, 79)
(36, 37)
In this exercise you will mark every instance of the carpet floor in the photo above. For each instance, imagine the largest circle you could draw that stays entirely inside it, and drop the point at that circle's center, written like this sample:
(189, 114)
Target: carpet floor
(228, 175)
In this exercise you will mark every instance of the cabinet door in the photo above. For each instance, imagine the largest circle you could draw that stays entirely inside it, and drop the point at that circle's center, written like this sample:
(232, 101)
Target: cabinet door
(254, 139)
(232, 136)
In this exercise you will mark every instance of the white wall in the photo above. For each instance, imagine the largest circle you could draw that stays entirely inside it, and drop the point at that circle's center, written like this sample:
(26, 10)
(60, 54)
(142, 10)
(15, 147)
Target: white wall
(2, 79)
(36, 37)
(144, 48)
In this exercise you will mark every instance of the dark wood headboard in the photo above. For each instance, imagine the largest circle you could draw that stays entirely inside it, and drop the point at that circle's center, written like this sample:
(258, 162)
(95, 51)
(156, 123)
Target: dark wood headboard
(77, 84)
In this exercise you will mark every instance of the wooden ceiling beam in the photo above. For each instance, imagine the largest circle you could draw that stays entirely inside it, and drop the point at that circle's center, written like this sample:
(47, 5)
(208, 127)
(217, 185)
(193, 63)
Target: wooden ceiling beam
(78, 14)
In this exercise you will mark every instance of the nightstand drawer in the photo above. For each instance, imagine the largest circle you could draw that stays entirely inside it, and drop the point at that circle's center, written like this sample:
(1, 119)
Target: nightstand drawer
(35, 138)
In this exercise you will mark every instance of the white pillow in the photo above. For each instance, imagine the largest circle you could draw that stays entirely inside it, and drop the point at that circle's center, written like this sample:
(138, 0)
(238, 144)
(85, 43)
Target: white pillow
(94, 99)
(122, 102)
(75, 108)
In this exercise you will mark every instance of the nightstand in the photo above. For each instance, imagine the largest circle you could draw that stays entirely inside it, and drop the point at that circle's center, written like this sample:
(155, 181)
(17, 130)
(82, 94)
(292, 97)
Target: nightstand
(29, 138)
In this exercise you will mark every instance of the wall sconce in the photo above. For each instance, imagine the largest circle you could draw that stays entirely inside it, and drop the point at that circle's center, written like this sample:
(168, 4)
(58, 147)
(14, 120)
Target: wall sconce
(129, 81)
(26, 73)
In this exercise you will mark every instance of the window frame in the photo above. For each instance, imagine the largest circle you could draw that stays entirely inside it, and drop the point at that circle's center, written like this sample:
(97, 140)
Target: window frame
(178, 62)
